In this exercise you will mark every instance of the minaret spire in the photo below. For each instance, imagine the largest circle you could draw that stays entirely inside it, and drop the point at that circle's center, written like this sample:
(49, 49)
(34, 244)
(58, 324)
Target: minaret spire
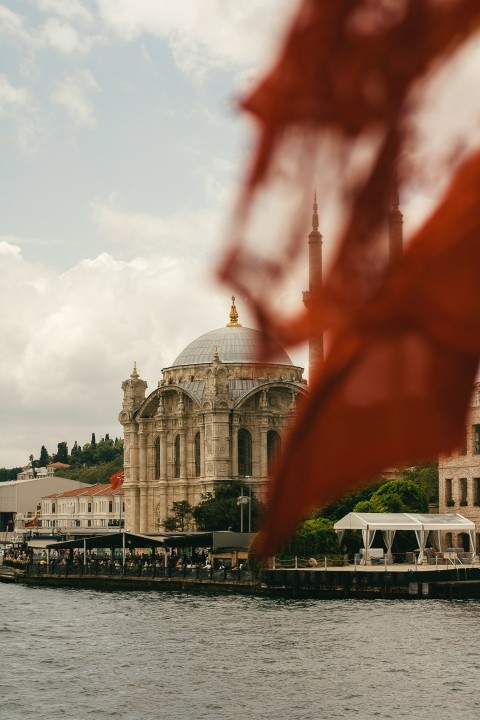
(395, 225)
(315, 347)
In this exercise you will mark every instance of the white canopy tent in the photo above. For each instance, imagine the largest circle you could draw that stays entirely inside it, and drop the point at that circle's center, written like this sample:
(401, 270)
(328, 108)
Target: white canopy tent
(419, 523)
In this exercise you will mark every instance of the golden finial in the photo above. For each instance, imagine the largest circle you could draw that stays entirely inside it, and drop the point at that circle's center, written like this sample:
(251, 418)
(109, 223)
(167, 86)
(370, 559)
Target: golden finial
(134, 371)
(233, 315)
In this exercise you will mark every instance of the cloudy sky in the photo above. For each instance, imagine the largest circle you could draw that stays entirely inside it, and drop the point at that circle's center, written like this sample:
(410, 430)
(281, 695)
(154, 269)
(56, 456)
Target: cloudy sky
(120, 153)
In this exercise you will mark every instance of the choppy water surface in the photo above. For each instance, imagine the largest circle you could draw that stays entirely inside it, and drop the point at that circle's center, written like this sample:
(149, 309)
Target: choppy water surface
(136, 656)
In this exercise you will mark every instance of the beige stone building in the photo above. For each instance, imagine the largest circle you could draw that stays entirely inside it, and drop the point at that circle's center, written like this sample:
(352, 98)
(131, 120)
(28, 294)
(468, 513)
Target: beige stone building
(216, 415)
(459, 476)
(83, 509)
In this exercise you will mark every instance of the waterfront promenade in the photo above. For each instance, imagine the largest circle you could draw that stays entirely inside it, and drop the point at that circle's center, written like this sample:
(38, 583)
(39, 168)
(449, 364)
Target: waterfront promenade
(347, 581)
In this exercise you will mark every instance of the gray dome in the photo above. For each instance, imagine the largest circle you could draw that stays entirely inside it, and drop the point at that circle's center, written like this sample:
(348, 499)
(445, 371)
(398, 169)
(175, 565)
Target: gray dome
(235, 344)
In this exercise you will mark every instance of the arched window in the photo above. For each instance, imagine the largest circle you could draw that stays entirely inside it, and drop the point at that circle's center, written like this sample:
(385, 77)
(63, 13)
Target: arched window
(244, 453)
(176, 460)
(273, 449)
(197, 455)
(157, 458)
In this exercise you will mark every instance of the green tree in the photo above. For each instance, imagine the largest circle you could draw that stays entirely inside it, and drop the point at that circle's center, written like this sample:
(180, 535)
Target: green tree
(426, 477)
(62, 453)
(314, 537)
(44, 457)
(341, 507)
(181, 515)
(93, 442)
(105, 451)
(33, 465)
(9, 473)
(401, 496)
(219, 510)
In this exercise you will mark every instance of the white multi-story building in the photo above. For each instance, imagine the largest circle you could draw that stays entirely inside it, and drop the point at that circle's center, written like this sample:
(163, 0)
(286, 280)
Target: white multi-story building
(459, 475)
(98, 508)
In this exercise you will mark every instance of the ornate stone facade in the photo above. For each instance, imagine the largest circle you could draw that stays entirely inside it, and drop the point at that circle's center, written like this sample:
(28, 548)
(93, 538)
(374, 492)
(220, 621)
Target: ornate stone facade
(216, 415)
(459, 475)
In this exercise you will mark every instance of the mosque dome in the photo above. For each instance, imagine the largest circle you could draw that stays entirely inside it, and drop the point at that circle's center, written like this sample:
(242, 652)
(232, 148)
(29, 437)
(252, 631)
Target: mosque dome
(233, 343)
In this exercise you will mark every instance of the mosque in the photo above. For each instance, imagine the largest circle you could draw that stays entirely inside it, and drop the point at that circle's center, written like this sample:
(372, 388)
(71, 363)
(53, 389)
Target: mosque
(217, 413)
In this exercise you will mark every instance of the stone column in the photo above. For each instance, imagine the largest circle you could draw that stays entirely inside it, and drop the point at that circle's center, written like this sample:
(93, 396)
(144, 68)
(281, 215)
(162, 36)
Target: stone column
(234, 449)
(162, 500)
(142, 442)
(143, 508)
(163, 454)
(183, 454)
(263, 452)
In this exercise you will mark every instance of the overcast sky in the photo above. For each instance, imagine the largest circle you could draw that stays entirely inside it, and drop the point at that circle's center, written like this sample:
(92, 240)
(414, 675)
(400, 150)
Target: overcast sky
(120, 151)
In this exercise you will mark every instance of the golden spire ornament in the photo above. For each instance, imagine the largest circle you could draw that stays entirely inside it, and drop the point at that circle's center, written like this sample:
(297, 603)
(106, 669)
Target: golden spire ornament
(233, 315)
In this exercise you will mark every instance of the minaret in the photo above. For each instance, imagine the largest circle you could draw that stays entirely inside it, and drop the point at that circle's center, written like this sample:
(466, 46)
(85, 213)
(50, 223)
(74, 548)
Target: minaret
(315, 345)
(395, 227)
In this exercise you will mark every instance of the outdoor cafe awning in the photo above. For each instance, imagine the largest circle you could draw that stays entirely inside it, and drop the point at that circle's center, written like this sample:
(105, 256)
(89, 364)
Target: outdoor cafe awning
(389, 523)
(135, 540)
(214, 540)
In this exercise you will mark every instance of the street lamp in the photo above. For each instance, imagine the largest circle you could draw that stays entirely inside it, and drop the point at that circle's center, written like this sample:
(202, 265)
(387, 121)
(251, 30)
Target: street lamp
(246, 500)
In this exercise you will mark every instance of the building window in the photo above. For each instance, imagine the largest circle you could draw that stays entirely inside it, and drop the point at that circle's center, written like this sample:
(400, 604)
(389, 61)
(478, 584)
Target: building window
(273, 449)
(463, 492)
(110, 506)
(244, 453)
(476, 439)
(157, 459)
(89, 507)
(197, 454)
(89, 523)
(176, 459)
(476, 491)
(54, 509)
(448, 493)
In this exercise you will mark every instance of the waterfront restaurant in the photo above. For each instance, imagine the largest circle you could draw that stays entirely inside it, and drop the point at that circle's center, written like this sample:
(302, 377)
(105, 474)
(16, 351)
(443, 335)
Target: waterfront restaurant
(426, 528)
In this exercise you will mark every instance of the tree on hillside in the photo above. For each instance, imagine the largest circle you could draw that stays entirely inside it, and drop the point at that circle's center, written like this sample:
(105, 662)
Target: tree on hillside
(9, 473)
(93, 442)
(44, 458)
(62, 453)
(219, 510)
(33, 465)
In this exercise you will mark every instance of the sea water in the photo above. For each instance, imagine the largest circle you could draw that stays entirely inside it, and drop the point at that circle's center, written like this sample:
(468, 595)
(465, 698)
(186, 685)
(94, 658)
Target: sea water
(139, 655)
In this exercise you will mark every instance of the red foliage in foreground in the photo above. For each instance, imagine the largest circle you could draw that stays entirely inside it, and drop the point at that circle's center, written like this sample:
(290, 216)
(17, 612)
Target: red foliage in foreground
(395, 386)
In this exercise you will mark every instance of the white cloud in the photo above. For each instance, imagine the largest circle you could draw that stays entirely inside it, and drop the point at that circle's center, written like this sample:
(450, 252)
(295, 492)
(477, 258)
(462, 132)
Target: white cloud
(206, 35)
(56, 33)
(62, 36)
(72, 10)
(70, 339)
(179, 234)
(12, 97)
(73, 93)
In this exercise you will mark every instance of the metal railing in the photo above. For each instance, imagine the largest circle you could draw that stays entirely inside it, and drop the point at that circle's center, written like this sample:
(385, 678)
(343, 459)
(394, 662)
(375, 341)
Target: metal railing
(139, 570)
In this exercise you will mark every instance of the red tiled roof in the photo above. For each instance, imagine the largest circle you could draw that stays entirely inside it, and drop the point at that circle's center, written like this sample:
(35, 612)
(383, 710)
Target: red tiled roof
(91, 491)
(58, 465)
